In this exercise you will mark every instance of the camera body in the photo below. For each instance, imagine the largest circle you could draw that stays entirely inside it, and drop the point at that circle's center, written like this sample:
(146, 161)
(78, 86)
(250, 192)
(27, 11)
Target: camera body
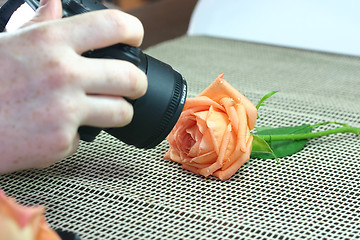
(73, 7)
(156, 113)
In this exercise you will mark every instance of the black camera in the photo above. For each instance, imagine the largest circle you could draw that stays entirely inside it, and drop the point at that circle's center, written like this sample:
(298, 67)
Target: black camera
(156, 113)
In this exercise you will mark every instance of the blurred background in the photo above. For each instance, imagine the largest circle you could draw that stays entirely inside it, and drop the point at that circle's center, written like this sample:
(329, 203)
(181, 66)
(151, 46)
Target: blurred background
(321, 25)
(162, 19)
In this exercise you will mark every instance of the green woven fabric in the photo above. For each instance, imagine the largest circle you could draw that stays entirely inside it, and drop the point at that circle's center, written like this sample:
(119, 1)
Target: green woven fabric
(108, 190)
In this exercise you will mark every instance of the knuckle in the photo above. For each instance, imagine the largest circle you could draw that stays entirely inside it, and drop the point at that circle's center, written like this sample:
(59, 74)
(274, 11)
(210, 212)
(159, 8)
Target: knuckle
(129, 26)
(68, 109)
(42, 34)
(137, 81)
(60, 73)
(133, 81)
(117, 20)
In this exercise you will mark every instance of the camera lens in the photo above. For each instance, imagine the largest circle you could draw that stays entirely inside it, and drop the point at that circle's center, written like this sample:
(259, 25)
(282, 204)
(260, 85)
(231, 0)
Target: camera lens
(155, 113)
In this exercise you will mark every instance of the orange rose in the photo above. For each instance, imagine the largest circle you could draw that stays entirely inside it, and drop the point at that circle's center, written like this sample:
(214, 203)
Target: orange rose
(25, 223)
(212, 135)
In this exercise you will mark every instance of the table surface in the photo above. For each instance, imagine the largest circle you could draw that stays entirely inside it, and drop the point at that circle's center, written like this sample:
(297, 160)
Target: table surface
(108, 190)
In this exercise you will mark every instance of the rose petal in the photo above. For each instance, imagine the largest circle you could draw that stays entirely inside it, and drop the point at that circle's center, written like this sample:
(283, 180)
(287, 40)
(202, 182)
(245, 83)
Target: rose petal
(219, 162)
(206, 143)
(242, 128)
(192, 111)
(22, 215)
(202, 146)
(229, 104)
(231, 170)
(201, 120)
(173, 155)
(201, 101)
(21, 222)
(167, 154)
(221, 88)
(194, 150)
(231, 147)
(192, 131)
(207, 171)
(217, 123)
(206, 158)
(198, 165)
(46, 233)
(191, 168)
(180, 139)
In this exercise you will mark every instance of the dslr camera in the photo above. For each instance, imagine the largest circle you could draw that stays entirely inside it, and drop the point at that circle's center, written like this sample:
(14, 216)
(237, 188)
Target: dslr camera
(156, 113)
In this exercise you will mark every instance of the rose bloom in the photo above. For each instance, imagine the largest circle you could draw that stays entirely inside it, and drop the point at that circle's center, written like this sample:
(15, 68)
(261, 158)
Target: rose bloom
(212, 135)
(23, 223)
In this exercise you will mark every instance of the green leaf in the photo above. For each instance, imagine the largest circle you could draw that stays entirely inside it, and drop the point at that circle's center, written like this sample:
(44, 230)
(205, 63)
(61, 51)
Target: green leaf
(260, 146)
(279, 148)
(260, 103)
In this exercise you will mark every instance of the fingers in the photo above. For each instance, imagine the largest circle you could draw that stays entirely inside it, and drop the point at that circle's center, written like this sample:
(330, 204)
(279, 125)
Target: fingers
(107, 111)
(100, 29)
(93, 30)
(112, 77)
(105, 83)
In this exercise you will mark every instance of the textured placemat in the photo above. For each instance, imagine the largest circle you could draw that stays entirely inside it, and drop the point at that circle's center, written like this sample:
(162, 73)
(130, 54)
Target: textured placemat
(108, 190)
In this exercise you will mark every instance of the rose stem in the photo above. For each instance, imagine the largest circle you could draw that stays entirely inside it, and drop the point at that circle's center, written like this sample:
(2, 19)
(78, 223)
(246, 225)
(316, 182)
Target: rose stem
(344, 129)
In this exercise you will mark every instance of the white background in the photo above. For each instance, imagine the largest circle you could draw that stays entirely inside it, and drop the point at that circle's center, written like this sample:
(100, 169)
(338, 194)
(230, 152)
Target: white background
(324, 25)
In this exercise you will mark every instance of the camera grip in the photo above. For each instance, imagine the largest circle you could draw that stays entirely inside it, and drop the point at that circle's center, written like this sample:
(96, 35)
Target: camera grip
(118, 51)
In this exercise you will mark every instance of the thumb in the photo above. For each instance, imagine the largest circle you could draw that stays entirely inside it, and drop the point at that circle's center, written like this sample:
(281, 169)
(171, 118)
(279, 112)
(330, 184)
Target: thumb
(47, 10)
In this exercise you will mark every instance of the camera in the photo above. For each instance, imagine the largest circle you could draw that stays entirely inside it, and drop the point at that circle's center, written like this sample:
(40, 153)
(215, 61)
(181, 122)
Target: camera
(155, 113)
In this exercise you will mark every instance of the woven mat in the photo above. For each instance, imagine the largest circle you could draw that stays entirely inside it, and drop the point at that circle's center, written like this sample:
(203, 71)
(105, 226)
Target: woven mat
(108, 190)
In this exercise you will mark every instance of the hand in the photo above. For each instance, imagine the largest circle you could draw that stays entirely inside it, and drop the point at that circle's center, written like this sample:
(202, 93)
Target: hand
(48, 89)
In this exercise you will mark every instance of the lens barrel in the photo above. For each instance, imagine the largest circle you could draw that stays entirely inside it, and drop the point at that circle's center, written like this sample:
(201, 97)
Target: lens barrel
(155, 113)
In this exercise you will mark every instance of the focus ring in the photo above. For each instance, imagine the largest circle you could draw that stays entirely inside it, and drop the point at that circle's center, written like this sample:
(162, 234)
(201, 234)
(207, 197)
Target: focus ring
(169, 114)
